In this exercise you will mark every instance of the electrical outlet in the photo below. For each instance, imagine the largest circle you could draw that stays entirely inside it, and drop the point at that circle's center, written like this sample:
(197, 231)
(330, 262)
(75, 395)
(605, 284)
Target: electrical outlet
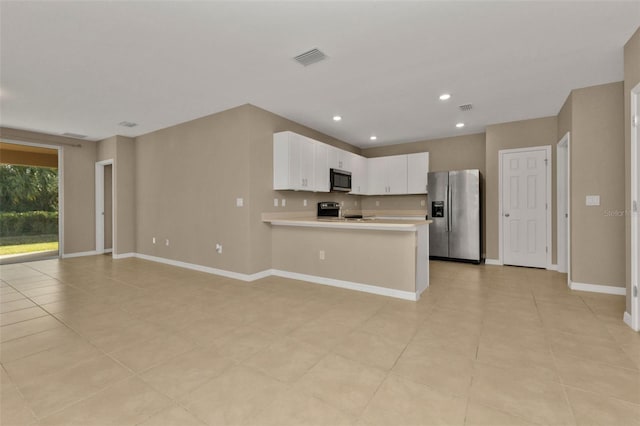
(377, 203)
(153, 240)
(218, 248)
(422, 202)
(321, 254)
(304, 203)
(239, 202)
(166, 242)
(275, 202)
(283, 203)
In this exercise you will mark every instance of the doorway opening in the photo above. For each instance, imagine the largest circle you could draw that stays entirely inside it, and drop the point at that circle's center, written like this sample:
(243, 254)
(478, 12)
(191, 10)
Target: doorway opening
(105, 224)
(524, 207)
(30, 202)
(564, 206)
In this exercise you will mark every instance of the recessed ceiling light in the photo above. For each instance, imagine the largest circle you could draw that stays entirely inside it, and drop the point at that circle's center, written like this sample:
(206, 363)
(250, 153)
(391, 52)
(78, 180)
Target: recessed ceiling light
(459, 125)
(373, 138)
(337, 118)
(445, 96)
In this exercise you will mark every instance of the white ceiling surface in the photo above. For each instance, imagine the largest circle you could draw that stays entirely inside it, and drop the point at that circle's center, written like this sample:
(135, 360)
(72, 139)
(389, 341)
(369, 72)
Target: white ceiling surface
(83, 67)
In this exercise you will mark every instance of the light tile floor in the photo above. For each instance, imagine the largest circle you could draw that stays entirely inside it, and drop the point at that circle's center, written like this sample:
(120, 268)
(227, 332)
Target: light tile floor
(92, 341)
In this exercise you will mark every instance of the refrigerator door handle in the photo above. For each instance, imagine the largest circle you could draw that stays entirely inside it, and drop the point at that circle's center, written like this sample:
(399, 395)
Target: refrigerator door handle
(448, 208)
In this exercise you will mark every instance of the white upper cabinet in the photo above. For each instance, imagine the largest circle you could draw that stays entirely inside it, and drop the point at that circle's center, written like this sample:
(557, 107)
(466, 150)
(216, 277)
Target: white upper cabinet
(321, 167)
(302, 164)
(387, 175)
(294, 163)
(359, 178)
(340, 159)
(417, 172)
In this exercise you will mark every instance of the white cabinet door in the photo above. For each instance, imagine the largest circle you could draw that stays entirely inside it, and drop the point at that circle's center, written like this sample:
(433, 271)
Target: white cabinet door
(359, 176)
(293, 162)
(396, 168)
(377, 176)
(307, 162)
(340, 159)
(387, 175)
(417, 172)
(321, 167)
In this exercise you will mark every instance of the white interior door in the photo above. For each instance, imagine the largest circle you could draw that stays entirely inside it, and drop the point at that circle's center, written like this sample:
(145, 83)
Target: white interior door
(524, 210)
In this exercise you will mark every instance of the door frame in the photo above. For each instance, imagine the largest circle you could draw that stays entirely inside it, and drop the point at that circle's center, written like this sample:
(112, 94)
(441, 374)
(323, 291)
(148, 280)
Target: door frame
(635, 215)
(501, 154)
(60, 187)
(564, 205)
(100, 165)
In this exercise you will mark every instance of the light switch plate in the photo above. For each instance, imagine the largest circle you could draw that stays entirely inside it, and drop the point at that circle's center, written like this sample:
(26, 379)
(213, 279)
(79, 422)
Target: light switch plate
(239, 202)
(592, 200)
(304, 203)
(284, 202)
(275, 202)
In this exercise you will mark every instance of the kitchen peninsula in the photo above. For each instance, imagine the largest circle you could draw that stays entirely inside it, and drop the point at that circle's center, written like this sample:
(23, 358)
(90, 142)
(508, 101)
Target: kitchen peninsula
(389, 257)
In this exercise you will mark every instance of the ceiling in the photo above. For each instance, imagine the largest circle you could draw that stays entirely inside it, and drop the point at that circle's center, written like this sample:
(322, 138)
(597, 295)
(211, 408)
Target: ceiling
(84, 67)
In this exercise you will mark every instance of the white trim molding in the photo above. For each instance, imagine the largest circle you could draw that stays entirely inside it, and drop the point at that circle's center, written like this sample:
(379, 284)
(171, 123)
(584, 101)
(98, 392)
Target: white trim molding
(366, 288)
(79, 254)
(123, 255)
(597, 288)
(627, 320)
(495, 262)
(207, 269)
(553, 267)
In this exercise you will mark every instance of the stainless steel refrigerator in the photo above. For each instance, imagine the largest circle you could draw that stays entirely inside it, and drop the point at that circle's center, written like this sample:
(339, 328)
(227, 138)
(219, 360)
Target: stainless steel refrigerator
(454, 206)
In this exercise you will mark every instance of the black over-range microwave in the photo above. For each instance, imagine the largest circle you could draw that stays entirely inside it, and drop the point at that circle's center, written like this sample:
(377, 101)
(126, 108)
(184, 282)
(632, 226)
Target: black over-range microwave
(340, 180)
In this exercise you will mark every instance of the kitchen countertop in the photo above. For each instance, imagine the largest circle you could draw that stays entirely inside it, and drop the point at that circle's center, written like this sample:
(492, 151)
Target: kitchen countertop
(407, 225)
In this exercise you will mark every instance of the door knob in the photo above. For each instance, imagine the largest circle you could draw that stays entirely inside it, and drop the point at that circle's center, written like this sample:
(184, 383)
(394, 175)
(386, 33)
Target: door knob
(507, 215)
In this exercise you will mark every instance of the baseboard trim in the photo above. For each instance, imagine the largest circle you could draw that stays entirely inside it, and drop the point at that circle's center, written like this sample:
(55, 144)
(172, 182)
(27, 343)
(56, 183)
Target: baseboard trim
(209, 270)
(597, 288)
(79, 254)
(124, 255)
(366, 288)
(108, 250)
(627, 319)
(495, 262)
(552, 267)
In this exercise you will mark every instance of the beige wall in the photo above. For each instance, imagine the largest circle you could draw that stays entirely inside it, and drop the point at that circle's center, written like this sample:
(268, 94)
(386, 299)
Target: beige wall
(187, 179)
(597, 155)
(79, 187)
(456, 153)
(631, 79)
(189, 176)
(348, 255)
(517, 134)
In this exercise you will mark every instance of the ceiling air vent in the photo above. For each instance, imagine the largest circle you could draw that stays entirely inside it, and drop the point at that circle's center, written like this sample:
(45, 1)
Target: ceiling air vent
(465, 107)
(74, 135)
(127, 124)
(310, 57)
